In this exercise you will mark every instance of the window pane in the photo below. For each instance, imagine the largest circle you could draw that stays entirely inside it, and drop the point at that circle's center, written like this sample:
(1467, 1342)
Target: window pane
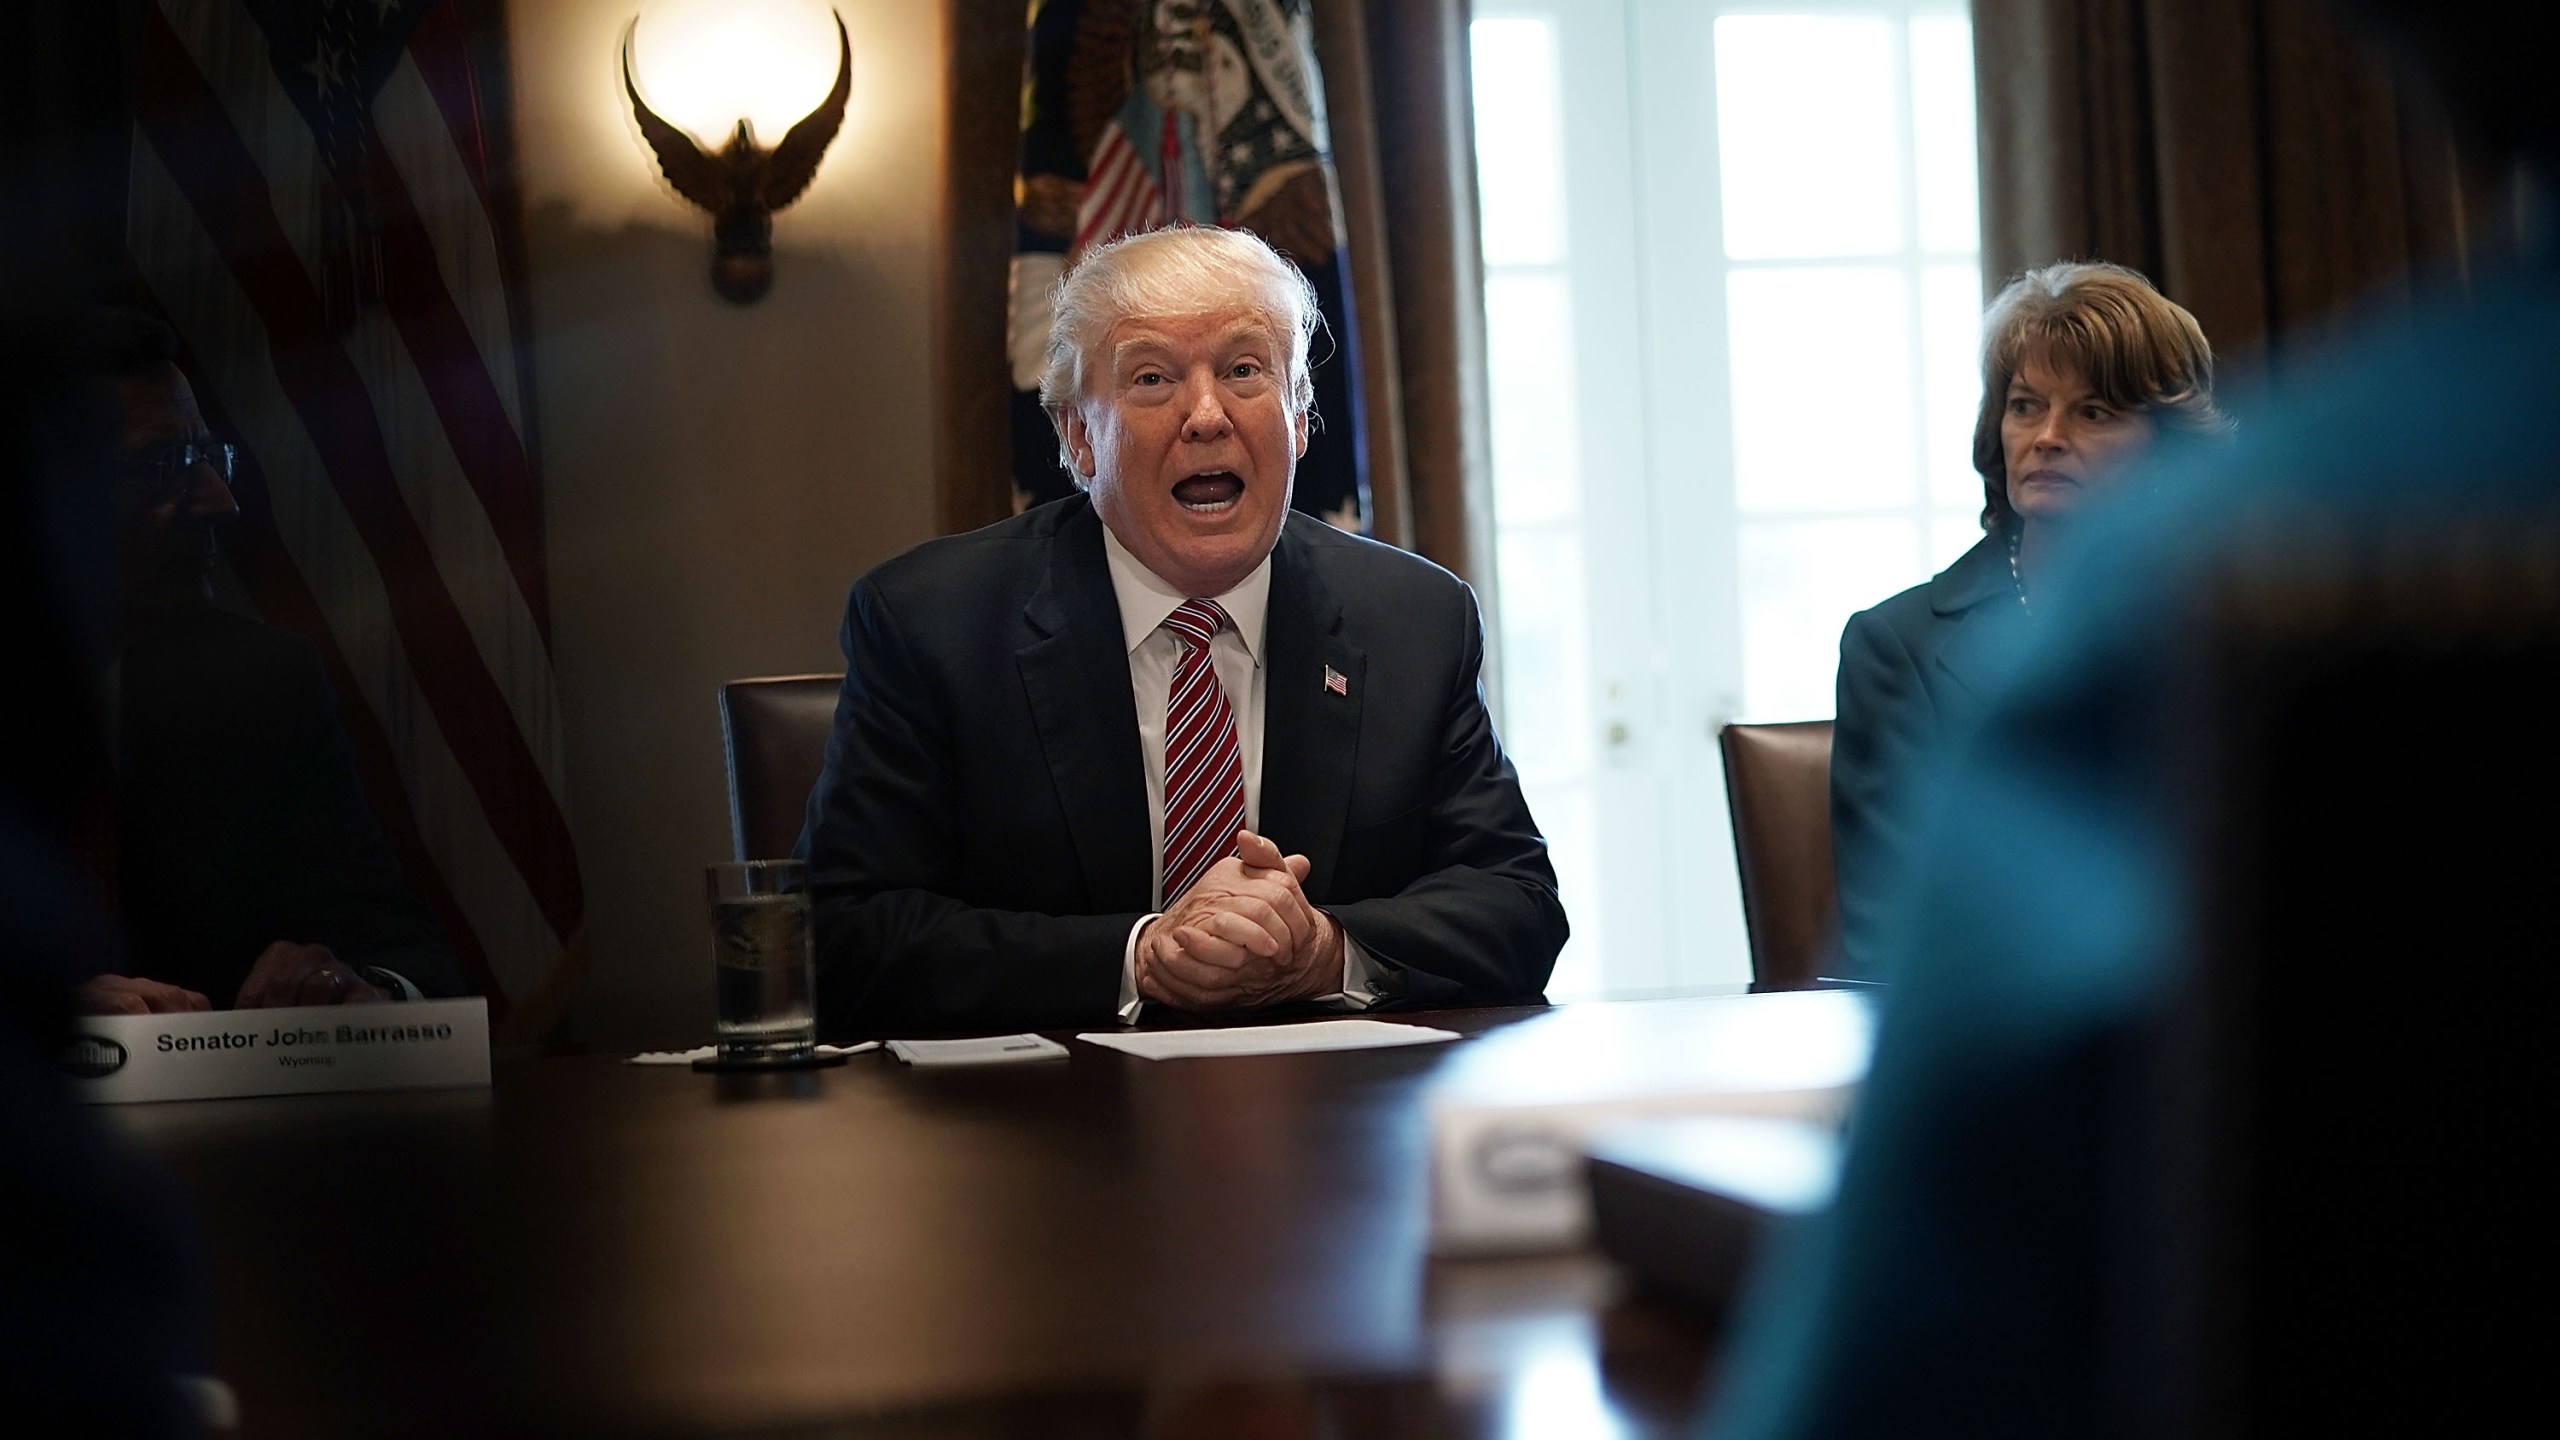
(1519, 133)
(1801, 581)
(1546, 657)
(1529, 370)
(1951, 347)
(1807, 136)
(1943, 134)
(1564, 812)
(1822, 410)
(1950, 537)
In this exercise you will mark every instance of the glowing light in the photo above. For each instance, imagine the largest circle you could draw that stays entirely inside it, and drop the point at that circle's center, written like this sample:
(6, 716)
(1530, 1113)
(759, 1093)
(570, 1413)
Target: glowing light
(707, 64)
(1557, 1393)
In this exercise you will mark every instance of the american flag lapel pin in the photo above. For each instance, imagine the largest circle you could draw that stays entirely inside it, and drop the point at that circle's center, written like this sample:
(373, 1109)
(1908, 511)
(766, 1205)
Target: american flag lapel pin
(1334, 682)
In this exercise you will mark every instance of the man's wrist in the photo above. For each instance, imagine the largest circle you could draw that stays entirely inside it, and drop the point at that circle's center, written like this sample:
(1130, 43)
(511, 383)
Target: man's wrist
(1125, 1007)
(1364, 981)
(1327, 975)
(392, 984)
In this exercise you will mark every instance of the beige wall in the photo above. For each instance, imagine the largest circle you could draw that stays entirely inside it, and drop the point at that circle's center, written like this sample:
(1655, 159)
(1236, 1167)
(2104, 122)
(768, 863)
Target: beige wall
(716, 475)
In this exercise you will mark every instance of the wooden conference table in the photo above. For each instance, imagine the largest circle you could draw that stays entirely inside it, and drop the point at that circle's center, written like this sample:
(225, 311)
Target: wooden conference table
(1100, 1246)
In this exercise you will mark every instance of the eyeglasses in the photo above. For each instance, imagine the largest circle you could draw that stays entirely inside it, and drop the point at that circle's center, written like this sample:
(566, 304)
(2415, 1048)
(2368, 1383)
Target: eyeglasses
(169, 472)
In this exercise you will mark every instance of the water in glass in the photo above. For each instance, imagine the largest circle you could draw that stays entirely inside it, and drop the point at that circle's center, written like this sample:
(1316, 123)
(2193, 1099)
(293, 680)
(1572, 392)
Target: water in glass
(761, 946)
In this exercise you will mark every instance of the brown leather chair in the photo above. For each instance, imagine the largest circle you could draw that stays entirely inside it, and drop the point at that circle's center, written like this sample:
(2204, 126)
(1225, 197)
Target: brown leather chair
(1777, 782)
(774, 731)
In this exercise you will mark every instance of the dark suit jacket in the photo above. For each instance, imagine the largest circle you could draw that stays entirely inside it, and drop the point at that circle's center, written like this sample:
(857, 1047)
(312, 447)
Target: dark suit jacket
(978, 842)
(240, 820)
(1915, 672)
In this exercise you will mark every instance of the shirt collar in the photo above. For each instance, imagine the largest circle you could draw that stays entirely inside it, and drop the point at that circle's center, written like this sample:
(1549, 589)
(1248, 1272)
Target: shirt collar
(1145, 599)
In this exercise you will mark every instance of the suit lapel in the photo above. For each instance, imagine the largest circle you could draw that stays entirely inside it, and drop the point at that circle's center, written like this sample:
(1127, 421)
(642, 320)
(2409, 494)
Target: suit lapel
(1974, 598)
(1075, 675)
(1976, 653)
(1310, 735)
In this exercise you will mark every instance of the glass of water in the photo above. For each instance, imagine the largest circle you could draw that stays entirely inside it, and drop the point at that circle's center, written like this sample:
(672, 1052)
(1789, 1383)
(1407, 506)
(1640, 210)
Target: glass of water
(760, 952)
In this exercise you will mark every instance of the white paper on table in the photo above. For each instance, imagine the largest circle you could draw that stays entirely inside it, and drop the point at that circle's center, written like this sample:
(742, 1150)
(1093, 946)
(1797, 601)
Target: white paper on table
(983, 1050)
(1269, 1039)
(705, 1052)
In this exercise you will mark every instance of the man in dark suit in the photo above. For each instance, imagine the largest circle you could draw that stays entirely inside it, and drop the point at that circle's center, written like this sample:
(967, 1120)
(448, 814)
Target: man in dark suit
(1167, 742)
(247, 866)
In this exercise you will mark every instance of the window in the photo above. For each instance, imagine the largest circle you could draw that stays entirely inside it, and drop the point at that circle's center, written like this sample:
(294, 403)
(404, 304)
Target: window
(1732, 295)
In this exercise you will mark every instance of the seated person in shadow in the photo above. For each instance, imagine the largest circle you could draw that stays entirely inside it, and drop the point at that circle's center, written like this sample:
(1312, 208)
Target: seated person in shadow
(2084, 366)
(1166, 742)
(246, 865)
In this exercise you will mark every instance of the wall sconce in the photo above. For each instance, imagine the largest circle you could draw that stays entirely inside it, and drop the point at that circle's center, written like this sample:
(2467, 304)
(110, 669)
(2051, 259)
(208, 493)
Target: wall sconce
(742, 183)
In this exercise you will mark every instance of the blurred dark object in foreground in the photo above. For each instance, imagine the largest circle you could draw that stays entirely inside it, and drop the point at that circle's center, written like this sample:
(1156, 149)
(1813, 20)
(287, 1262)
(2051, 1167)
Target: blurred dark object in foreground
(2271, 800)
(2357, 1212)
(1686, 1204)
(101, 1302)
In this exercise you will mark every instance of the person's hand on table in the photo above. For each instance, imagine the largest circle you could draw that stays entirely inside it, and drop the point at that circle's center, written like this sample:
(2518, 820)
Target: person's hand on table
(1244, 936)
(291, 974)
(134, 995)
(1319, 951)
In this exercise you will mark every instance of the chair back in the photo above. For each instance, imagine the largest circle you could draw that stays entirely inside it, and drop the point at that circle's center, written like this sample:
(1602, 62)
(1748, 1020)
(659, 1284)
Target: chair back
(1777, 782)
(774, 731)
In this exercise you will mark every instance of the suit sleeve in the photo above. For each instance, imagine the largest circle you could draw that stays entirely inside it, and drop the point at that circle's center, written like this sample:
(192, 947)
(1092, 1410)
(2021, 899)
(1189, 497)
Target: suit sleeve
(899, 948)
(341, 886)
(1885, 725)
(1482, 924)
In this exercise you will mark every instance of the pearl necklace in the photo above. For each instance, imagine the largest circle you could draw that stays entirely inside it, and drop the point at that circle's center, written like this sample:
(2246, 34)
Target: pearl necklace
(2017, 577)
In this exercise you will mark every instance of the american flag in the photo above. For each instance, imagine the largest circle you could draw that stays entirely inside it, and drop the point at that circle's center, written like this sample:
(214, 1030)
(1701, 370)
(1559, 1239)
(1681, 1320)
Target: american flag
(313, 206)
(1122, 194)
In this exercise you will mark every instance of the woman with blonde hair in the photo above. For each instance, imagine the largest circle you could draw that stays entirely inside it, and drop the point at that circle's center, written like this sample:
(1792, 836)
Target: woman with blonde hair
(2084, 368)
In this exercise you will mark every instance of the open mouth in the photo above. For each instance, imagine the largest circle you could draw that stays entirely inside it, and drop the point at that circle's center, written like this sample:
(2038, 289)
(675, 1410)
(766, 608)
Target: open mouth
(1210, 493)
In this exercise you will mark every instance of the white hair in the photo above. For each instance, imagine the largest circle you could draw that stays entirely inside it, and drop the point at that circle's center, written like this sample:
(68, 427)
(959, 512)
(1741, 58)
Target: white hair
(1180, 270)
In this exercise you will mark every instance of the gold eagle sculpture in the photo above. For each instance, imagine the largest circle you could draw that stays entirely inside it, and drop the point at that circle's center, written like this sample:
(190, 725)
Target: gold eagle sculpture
(742, 183)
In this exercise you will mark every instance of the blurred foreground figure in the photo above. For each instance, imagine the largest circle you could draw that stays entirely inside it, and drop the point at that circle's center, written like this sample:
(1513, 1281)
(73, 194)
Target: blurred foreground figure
(103, 1305)
(2212, 1091)
(248, 868)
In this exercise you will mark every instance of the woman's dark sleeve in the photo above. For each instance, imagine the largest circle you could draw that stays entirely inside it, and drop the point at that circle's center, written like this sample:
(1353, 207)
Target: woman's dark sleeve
(1886, 723)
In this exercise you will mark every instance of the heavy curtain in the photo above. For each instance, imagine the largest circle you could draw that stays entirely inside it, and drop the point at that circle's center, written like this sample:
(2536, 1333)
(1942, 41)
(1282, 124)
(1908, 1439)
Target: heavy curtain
(2261, 164)
(1404, 153)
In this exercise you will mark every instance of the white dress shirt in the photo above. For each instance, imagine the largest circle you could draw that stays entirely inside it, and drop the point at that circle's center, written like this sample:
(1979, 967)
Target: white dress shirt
(1236, 654)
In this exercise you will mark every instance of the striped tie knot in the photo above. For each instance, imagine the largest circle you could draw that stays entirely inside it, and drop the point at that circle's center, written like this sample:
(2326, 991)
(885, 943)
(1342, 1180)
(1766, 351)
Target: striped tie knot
(1196, 622)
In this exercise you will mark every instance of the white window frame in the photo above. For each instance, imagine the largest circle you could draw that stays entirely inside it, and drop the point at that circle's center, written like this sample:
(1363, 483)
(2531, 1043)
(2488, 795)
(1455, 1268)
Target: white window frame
(1648, 276)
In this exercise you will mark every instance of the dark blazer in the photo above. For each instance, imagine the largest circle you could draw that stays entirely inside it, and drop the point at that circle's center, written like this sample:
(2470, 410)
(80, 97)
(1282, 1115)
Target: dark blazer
(240, 820)
(978, 842)
(1915, 672)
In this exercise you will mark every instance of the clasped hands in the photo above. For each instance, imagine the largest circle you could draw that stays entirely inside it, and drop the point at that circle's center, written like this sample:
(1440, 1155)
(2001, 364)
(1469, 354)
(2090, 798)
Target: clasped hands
(285, 974)
(1242, 937)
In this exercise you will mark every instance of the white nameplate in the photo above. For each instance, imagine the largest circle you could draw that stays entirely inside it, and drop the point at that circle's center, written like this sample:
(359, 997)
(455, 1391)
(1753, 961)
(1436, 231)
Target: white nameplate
(1507, 1136)
(215, 1054)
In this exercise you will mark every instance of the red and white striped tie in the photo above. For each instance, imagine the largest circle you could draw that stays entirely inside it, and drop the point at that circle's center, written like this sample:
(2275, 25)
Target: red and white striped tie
(1203, 772)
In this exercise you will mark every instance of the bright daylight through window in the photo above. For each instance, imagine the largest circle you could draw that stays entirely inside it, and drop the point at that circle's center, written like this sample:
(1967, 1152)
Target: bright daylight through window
(1732, 291)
